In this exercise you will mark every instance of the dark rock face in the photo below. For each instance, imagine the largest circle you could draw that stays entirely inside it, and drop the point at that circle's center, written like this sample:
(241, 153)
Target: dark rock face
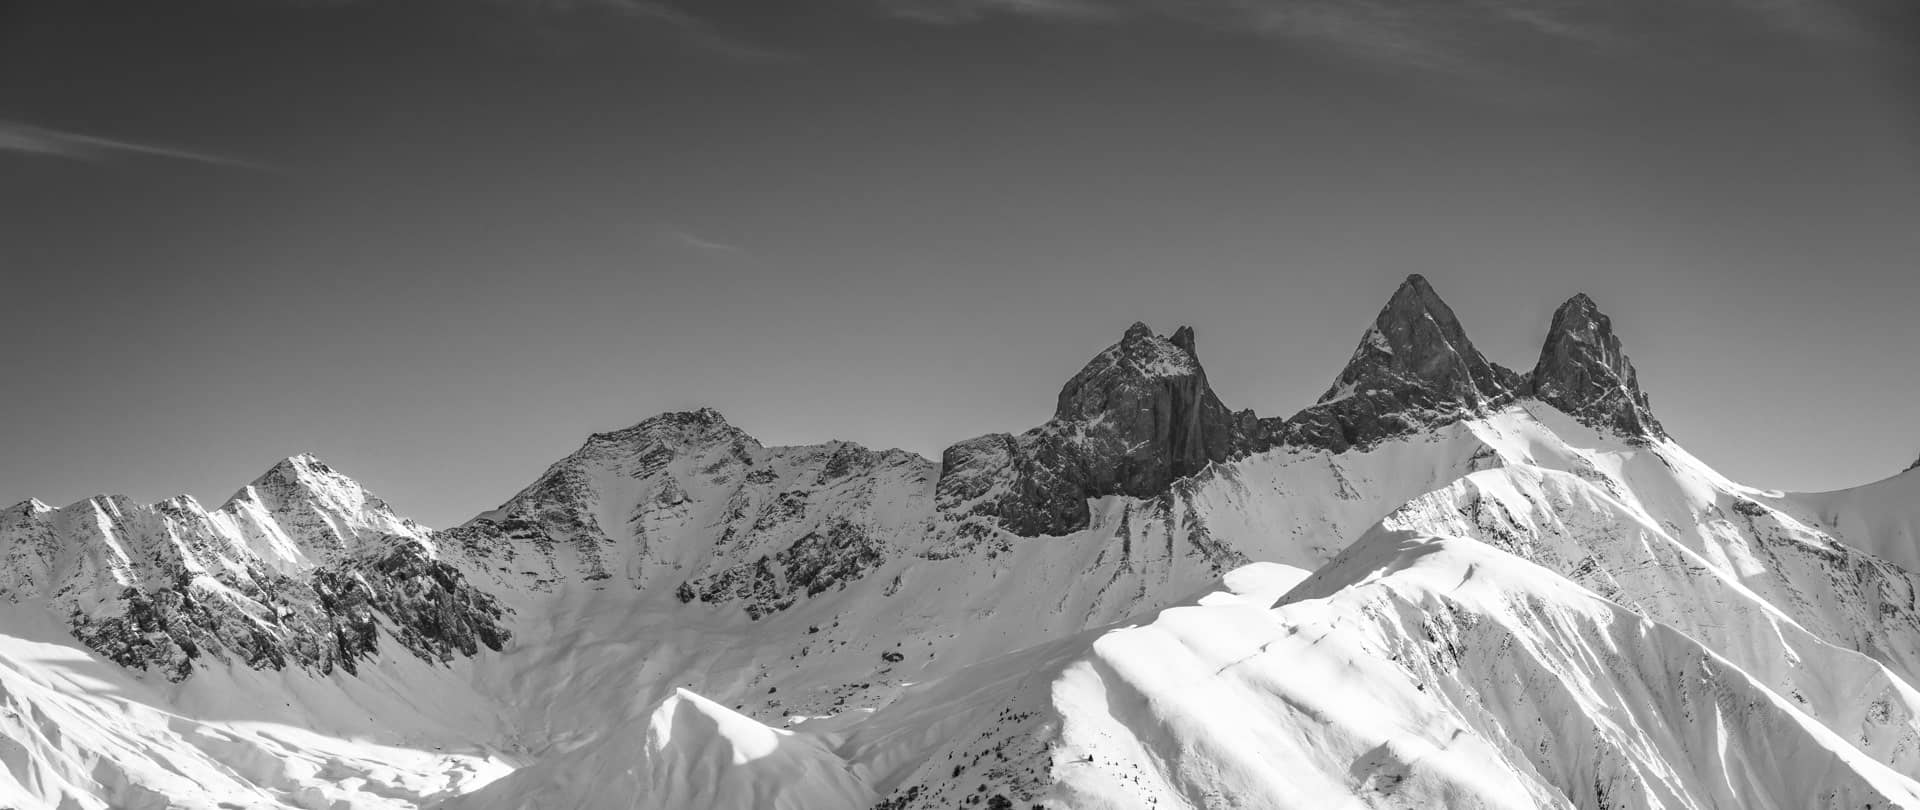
(1138, 417)
(1583, 372)
(1145, 406)
(330, 621)
(558, 509)
(704, 511)
(302, 568)
(832, 557)
(1414, 369)
(1032, 484)
(432, 610)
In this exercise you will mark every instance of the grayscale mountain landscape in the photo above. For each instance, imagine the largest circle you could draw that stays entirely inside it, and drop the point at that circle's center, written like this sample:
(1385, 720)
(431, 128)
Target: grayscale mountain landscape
(959, 405)
(1446, 583)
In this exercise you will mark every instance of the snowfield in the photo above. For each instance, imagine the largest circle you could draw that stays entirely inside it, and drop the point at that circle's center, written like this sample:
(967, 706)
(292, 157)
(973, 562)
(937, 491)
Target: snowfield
(1511, 611)
(1500, 605)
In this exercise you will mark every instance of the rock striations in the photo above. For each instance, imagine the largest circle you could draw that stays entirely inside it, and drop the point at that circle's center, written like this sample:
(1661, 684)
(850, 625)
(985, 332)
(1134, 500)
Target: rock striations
(303, 567)
(1583, 372)
(1139, 416)
(1414, 369)
(757, 526)
(1425, 590)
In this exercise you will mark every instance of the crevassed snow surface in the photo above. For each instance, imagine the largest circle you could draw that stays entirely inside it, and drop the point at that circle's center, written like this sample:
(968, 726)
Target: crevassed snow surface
(1512, 611)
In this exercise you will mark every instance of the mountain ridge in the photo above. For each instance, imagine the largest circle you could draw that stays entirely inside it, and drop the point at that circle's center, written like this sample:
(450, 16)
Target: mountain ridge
(1559, 602)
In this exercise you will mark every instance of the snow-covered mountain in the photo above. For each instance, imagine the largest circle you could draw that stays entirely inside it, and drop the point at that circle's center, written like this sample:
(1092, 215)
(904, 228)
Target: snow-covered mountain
(1444, 584)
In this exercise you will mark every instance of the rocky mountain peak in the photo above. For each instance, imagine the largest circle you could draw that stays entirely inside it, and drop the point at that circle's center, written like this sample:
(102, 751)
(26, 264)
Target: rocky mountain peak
(301, 471)
(30, 507)
(1137, 417)
(301, 568)
(1583, 372)
(181, 504)
(1417, 339)
(304, 482)
(1183, 338)
(302, 512)
(1414, 368)
(675, 430)
(1140, 359)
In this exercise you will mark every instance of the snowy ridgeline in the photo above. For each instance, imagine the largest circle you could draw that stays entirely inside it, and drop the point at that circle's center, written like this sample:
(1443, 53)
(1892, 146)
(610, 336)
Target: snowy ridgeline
(1444, 585)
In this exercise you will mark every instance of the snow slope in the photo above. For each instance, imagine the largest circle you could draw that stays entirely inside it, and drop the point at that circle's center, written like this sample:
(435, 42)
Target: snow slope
(1881, 518)
(1425, 672)
(689, 752)
(910, 682)
(1495, 604)
(1644, 531)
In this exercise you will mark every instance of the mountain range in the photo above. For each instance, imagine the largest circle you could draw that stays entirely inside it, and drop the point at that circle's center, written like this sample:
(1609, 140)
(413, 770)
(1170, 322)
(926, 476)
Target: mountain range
(1446, 583)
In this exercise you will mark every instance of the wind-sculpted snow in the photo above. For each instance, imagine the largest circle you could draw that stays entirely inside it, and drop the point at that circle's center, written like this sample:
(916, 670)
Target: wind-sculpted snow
(1608, 707)
(1686, 614)
(1410, 672)
(688, 752)
(1442, 586)
(1882, 518)
(79, 731)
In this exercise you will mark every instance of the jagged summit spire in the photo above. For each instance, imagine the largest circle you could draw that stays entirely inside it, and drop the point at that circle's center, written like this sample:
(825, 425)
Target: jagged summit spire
(1183, 338)
(1139, 357)
(1154, 391)
(303, 472)
(327, 509)
(1136, 417)
(1415, 290)
(1583, 372)
(1413, 301)
(1414, 368)
(1416, 337)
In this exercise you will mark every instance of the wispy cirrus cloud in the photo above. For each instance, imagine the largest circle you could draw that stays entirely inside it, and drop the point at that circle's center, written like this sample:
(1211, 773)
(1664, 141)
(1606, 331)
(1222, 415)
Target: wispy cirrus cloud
(1445, 35)
(23, 138)
(680, 236)
(698, 242)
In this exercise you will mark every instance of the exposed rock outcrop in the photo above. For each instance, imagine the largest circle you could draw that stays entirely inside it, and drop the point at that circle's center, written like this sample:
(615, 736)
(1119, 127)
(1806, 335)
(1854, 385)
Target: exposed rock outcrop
(1583, 372)
(756, 527)
(302, 568)
(1414, 369)
(302, 512)
(1138, 417)
(558, 516)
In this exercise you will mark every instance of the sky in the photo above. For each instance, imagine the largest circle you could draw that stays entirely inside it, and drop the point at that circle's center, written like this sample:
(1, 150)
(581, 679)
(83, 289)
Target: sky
(439, 243)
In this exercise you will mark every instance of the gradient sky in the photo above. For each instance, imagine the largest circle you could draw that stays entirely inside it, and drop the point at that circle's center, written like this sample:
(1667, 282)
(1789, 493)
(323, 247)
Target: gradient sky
(439, 243)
